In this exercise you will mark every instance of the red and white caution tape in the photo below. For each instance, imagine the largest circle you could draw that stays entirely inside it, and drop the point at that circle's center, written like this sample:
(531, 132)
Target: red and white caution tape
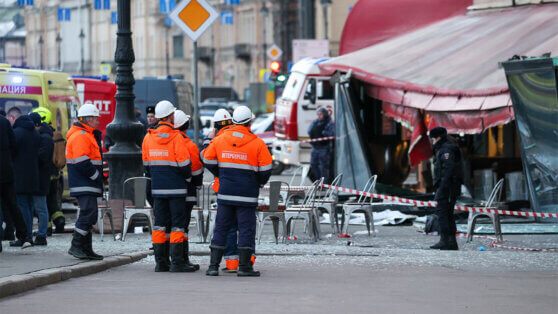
(321, 139)
(434, 204)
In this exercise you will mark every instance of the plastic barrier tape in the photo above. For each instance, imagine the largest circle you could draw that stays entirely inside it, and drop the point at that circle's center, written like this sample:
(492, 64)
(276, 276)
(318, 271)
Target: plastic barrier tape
(434, 204)
(321, 139)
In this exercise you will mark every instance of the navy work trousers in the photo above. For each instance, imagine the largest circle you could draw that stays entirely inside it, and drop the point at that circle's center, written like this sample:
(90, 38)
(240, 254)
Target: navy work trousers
(88, 211)
(227, 217)
(187, 218)
(170, 212)
(320, 162)
(231, 249)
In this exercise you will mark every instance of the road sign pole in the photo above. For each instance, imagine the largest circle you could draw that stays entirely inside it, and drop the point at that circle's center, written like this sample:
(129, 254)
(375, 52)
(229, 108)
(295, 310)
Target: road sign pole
(194, 17)
(196, 97)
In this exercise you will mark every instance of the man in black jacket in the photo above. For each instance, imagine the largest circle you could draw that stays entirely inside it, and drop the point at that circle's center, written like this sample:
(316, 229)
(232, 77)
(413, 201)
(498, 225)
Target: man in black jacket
(26, 170)
(46, 150)
(8, 155)
(8, 202)
(448, 178)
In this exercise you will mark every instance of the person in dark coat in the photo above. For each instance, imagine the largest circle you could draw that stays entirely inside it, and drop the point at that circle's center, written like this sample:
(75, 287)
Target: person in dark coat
(448, 179)
(8, 201)
(46, 168)
(26, 171)
(320, 159)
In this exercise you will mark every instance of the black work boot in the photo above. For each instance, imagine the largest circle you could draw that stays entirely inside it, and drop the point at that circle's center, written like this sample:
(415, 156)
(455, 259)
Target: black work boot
(215, 259)
(40, 241)
(89, 248)
(245, 268)
(452, 244)
(49, 229)
(59, 223)
(187, 256)
(442, 243)
(162, 261)
(178, 264)
(77, 249)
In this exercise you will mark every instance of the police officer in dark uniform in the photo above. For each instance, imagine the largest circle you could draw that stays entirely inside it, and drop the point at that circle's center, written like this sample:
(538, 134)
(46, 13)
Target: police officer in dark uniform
(448, 178)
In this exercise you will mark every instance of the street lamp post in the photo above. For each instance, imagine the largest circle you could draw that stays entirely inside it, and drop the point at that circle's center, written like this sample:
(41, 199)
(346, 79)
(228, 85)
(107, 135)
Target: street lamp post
(82, 62)
(167, 53)
(58, 46)
(325, 4)
(263, 12)
(124, 158)
(41, 42)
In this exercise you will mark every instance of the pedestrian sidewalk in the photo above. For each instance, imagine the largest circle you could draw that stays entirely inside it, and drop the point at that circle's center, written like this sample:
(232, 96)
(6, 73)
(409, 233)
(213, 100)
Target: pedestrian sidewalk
(15, 261)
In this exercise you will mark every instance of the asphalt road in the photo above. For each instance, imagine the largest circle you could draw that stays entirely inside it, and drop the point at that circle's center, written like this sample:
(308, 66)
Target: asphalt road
(298, 284)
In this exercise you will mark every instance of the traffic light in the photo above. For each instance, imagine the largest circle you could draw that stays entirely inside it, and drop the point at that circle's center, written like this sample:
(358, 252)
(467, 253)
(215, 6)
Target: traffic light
(281, 78)
(275, 66)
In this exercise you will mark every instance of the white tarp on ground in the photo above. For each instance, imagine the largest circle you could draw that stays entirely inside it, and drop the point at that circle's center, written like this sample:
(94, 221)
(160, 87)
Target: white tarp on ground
(383, 218)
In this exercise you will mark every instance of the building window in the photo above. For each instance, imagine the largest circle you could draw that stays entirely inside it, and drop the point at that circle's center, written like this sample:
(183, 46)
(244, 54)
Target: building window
(178, 46)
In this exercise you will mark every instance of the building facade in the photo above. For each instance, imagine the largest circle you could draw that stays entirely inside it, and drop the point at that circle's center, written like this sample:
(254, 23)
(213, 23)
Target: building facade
(232, 52)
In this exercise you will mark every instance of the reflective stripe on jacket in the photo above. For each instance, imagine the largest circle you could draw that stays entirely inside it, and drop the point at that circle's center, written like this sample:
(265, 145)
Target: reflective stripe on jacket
(242, 162)
(206, 143)
(84, 160)
(197, 170)
(167, 161)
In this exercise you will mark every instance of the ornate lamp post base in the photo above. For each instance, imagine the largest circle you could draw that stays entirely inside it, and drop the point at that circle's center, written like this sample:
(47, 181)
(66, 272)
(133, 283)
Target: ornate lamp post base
(124, 158)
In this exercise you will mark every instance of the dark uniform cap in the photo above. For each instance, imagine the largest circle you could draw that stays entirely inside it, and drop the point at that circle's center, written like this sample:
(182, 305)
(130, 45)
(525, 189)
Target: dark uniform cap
(150, 109)
(438, 132)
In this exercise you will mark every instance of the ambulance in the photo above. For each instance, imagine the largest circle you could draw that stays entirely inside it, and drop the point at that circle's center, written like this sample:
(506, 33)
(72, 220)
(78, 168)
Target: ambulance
(29, 89)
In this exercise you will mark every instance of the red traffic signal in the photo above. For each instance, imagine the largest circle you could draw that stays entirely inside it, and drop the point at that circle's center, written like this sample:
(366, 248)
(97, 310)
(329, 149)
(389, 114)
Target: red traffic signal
(275, 66)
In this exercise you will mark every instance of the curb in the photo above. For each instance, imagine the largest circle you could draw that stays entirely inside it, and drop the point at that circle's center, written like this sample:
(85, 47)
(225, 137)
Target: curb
(21, 283)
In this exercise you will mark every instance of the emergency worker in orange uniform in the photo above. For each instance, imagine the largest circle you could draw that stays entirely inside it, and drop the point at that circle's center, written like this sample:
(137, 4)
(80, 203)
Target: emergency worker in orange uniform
(243, 164)
(167, 161)
(182, 123)
(85, 176)
(222, 120)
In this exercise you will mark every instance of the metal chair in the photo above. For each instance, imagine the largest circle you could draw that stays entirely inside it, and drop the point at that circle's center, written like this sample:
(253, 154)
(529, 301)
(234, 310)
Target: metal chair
(137, 188)
(361, 205)
(274, 214)
(209, 213)
(201, 213)
(306, 211)
(304, 170)
(495, 196)
(103, 210)
(329, 203)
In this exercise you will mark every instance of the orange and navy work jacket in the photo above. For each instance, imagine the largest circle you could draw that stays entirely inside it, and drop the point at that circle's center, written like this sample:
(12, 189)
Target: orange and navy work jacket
(242, 162)
(85, 160)
(206, 143)
(167, 161)
(197, 170)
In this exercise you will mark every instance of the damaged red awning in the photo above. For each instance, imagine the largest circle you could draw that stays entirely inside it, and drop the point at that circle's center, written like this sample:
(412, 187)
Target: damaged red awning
(447, 74)
(373, 21)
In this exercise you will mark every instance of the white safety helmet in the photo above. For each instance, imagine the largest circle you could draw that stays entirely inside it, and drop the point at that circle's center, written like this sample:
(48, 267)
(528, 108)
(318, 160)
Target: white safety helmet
(221, 115)
(164, 109)
(88, 110)
(180, 118)
(242, 115)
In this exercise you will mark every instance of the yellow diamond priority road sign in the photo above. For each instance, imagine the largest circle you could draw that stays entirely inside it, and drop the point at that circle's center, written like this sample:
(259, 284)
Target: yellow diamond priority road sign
(274, 52)
(194, 17)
